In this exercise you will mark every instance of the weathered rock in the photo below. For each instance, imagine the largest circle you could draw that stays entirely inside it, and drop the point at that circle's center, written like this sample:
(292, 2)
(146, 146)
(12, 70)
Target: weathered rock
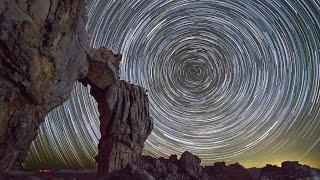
(185, 168)
(125, 124)
(219, 170)
(188, 167)
(288, 170)
(43, 51)
(191, 164)
(103, 68)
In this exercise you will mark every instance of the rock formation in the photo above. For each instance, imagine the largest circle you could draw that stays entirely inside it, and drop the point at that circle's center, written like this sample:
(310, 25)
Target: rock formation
(188, 167)
(219, 170)
(185, 168)
(125, 123)
(288, 170)
(43, 51)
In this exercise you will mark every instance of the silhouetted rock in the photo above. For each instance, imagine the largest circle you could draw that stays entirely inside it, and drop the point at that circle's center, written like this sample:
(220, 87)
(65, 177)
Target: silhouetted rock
(151, 168)
(191, 164)
(219, 170)
(254, 172)
(288, 170)
(188, 167)
(43, 51)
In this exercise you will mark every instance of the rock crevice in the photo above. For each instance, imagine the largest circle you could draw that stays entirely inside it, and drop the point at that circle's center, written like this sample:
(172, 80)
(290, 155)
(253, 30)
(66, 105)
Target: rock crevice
(43, 50)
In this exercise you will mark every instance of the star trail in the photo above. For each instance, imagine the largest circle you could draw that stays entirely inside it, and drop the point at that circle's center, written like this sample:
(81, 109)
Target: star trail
(226, 80)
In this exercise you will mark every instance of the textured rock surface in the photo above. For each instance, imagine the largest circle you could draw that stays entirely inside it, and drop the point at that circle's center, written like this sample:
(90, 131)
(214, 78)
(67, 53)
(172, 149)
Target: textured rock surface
(125, 124)
(43, 51)
(188, 167)
(103, 69)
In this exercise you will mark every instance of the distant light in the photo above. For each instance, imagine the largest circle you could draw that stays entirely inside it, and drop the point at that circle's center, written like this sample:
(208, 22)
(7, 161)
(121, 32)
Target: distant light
(44, 170)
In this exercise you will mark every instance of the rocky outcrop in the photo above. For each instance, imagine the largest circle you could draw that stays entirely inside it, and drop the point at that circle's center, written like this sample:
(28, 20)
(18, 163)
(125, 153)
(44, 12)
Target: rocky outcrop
(125, 125)
(125, 122)
(219, 170)
(168, 169)
(288, 170)
(103, 69)
(188, 168)
(43, 51)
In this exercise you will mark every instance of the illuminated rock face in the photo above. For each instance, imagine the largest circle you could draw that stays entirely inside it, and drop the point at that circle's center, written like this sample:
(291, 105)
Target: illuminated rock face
(125, 125)
(43, 51)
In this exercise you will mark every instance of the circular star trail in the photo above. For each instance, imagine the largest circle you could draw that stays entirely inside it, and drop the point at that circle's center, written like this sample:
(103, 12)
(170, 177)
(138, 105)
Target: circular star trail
(225, 80)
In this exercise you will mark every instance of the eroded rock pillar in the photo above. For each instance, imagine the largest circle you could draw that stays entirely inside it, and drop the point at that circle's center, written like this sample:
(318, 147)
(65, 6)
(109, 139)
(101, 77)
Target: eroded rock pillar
(125, 125)
(125, 122)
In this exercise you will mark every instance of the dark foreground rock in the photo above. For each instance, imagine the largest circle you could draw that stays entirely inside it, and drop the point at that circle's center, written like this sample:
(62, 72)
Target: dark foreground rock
(188, 167)
(288, 170)
(185, 168)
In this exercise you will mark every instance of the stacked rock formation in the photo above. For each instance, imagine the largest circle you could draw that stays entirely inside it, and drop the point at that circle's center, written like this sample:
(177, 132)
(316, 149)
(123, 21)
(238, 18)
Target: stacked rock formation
(125, 122)
(43, 51)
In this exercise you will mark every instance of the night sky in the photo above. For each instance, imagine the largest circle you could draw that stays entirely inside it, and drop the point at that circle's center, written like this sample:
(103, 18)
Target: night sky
(234, 81)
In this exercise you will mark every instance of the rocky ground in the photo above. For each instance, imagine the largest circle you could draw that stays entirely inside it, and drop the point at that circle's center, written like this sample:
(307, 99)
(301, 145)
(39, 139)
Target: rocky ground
(186, 168)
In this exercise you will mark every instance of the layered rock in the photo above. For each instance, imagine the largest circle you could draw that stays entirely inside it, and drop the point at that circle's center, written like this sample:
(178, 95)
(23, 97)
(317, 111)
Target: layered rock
(125, 125)
(125, 122)
(43, 51)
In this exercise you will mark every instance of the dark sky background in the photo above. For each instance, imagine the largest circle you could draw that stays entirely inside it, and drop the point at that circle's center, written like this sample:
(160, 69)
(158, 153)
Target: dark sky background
(235, 81)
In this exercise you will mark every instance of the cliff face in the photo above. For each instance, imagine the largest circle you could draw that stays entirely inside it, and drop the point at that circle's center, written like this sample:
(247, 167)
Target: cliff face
(43, 51)
(124, 113)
